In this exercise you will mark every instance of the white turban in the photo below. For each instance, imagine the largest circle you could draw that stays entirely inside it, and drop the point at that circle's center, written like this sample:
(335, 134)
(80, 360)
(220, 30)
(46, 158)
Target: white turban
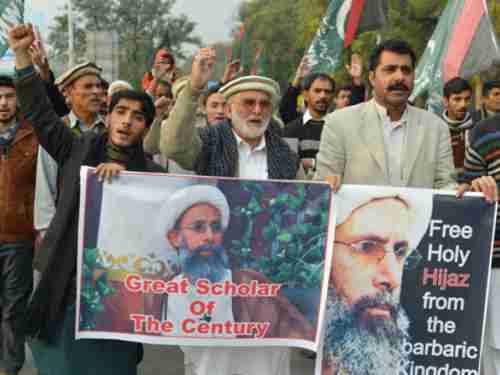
(419, 203)
(181, 200)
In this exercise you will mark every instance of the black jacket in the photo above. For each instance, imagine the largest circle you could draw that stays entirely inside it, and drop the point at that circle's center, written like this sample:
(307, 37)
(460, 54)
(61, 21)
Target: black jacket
(58, 253)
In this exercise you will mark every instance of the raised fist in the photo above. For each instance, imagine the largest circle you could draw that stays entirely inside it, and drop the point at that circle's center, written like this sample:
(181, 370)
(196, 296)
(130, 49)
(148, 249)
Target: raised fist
(21, 37)
(203, 68)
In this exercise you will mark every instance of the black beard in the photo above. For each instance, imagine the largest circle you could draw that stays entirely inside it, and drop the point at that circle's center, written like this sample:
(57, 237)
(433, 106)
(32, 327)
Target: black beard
(371, 347)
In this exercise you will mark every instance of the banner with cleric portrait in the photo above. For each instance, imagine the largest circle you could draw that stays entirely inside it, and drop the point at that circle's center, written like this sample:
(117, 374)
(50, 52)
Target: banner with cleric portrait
(189, 260)
(409, 283)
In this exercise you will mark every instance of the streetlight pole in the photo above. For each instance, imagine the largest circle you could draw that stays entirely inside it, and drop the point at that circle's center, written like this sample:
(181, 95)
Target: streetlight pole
(71, 44)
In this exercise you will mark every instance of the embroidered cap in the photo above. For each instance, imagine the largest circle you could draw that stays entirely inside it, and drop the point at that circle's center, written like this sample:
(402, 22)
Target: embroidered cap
(252, 83)
(70, 76)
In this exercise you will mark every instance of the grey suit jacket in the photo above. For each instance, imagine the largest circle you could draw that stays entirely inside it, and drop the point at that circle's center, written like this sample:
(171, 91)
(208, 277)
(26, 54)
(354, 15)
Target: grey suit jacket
(352, 146)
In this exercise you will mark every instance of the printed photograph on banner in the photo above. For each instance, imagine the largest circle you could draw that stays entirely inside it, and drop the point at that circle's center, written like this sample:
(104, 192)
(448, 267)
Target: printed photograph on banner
(408, 285)
(205, 260)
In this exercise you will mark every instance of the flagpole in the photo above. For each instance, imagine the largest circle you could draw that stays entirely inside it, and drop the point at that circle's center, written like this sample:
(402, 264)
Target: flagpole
(71, 44)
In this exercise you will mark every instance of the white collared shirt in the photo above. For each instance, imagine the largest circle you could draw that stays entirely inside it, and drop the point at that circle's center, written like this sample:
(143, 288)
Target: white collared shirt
(46, 189)
(308, 117)
(395, 135)
(252, 164)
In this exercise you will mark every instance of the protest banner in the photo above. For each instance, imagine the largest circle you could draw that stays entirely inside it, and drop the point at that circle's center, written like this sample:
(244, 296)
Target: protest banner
(409, 282)
(189, 260)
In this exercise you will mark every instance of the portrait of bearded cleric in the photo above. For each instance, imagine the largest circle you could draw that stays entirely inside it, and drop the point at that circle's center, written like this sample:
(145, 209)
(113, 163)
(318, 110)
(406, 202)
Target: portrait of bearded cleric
(376, 239)
(193, 222)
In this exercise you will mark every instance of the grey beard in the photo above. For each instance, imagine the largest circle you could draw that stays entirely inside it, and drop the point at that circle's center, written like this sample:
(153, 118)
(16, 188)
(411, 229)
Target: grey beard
(358, 348)
(248, 131)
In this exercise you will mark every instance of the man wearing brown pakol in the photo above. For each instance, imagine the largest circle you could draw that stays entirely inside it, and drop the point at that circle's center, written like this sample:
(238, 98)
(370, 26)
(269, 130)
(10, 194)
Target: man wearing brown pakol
(83, 87)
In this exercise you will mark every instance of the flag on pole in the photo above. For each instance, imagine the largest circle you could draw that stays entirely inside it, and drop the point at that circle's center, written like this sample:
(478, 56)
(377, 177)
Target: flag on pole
(261, 64)
(343, 21)
(240, 49)
(464, 43)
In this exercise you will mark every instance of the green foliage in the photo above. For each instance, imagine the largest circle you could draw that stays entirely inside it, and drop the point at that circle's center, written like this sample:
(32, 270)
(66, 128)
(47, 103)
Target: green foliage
(143, 26)
(93, 289)
(285, 29)
(295, 232)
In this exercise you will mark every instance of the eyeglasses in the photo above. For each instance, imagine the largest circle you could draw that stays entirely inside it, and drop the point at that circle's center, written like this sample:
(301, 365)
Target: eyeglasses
(201, 226)
(376, 249)
(250, 104)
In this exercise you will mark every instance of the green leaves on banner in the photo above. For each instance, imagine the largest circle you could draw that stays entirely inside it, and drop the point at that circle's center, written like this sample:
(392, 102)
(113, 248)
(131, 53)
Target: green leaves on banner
(95, 287)
(288, 227)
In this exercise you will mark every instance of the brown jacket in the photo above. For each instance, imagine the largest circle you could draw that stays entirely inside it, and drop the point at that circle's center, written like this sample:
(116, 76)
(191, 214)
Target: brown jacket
(17, 187)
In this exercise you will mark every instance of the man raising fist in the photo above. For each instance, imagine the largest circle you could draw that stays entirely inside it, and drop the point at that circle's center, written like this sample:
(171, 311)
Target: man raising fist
(51, 313)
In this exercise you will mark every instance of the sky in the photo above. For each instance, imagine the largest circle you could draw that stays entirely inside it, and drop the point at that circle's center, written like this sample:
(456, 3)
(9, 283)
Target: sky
(214, 18)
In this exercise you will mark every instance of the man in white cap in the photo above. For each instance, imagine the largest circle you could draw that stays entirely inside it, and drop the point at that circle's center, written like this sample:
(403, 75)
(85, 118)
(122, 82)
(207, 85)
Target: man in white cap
(82, 85)
(116, 86)
(248, 145)
(377, 235)
(194, 220)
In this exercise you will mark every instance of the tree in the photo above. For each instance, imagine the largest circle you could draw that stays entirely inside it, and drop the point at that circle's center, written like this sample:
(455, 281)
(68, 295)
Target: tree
(11, 11)
(143, 26)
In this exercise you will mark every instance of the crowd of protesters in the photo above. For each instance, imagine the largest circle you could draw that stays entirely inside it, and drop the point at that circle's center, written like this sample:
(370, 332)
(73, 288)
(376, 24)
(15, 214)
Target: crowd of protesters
(240, 126)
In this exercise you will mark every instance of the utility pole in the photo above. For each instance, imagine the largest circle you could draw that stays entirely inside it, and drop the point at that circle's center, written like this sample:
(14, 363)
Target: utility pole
(71, 44)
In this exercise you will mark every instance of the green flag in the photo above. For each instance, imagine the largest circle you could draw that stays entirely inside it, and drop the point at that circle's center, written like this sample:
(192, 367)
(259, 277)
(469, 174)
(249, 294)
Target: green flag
(463, 44)
(344, 19)
(261, 64)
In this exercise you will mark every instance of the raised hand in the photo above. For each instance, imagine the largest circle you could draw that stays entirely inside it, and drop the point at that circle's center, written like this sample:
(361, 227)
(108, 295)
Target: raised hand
(40, 60)
(302, 70)
(162, 106)
(203, 68)
(21, 37)
(355, 69)
(231, 71)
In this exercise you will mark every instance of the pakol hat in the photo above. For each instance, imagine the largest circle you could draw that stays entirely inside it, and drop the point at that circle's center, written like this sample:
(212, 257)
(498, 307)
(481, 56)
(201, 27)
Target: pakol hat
(252, 83)
(76, 72)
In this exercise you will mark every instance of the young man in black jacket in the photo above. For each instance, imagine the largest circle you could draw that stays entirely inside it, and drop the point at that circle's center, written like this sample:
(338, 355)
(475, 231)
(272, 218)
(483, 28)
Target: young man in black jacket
(51, 314)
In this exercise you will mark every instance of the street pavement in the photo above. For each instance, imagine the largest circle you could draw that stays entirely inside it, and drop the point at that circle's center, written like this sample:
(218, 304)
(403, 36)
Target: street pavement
(167, 360)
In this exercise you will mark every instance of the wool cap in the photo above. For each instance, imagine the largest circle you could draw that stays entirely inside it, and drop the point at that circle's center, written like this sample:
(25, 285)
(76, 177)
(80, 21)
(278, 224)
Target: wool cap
(70, 76)
(181, 200)
(419, 204)
(252, 83)
(118, 85)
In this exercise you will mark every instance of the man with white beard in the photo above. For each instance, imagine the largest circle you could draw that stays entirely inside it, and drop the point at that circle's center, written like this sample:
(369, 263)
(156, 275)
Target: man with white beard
(247, 145)
(375, 240)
